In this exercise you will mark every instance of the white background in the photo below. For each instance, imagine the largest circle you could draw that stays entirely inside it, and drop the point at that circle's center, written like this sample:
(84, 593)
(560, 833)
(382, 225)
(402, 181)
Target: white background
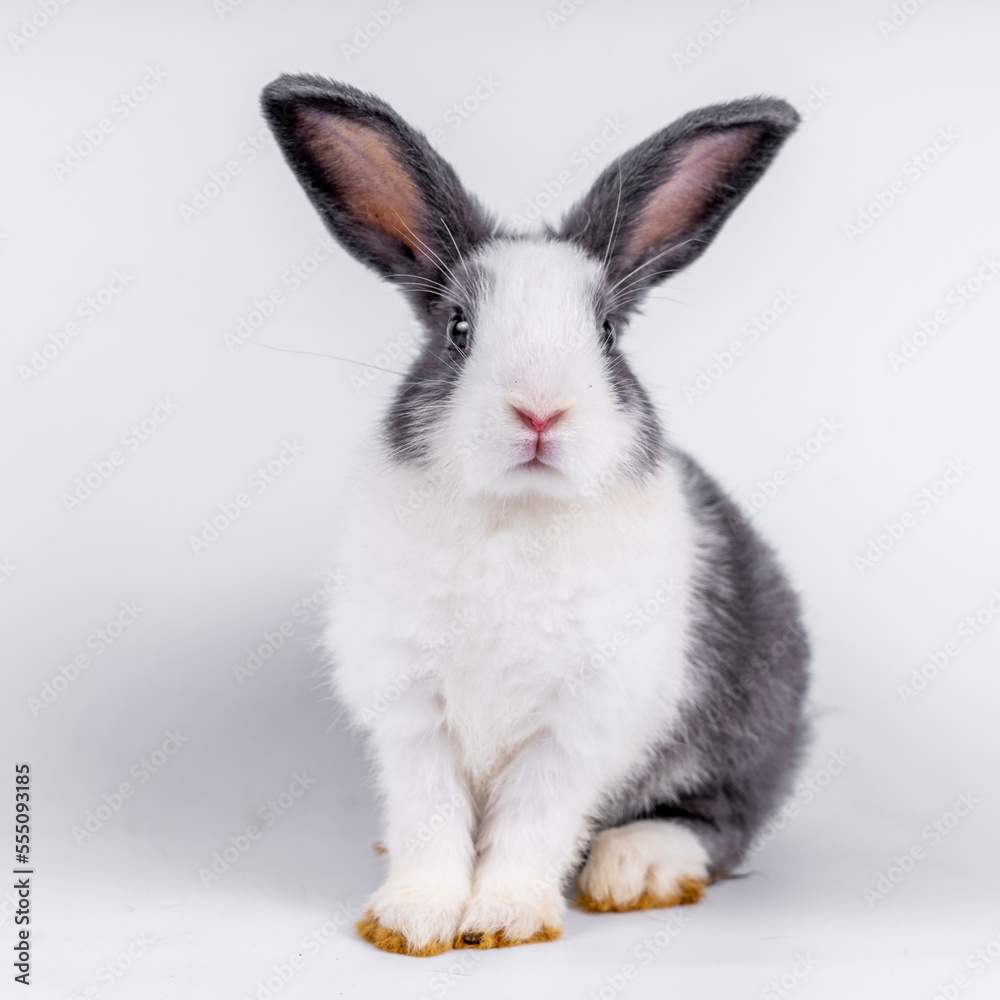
(880, 99)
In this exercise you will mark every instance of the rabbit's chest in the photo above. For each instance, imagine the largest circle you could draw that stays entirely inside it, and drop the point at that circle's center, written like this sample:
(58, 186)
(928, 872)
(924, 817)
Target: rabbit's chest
(501, 660)
(497, 631)
(511, 636)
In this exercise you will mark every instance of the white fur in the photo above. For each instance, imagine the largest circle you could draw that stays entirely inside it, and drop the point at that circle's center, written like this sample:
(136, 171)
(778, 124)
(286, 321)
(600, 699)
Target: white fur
(512, 899)
(477, 594)
(422, 904)
(648, 856)
(535, 344)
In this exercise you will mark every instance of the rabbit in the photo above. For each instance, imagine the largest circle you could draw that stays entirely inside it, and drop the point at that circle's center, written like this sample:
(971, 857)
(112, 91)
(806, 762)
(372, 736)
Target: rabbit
(572, 657)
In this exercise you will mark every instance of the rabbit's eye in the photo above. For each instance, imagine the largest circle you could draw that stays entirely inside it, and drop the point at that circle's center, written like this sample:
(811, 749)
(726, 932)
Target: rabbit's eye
(607, 335)
(458, 332)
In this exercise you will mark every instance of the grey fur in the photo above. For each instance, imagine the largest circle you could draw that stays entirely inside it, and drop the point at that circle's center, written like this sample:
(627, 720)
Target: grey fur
(454, 222)
(724, 769)
(607, 214)
(732, 759)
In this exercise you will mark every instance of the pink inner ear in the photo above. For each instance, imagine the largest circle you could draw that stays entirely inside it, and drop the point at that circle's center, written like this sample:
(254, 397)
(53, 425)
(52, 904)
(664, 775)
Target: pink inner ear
(673, 211)
(360, 167)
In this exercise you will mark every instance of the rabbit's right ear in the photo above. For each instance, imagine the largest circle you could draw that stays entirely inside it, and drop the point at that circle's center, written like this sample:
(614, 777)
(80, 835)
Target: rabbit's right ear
(379, 186)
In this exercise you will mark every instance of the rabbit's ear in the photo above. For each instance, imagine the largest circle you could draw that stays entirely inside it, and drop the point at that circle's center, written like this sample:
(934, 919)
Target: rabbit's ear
(657, 207)
(382, 190)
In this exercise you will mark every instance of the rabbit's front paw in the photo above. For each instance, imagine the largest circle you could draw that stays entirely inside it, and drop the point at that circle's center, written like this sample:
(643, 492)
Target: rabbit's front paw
(648, 863)
(416, 912)
(508, 907)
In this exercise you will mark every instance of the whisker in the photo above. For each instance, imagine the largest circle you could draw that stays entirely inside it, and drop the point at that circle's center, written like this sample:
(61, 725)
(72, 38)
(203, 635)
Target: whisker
(646, 277)
(646, 263)
(441, 264)
(416, 279)
(453, 242)
(332, 357)
(614, 221)
(420, 277)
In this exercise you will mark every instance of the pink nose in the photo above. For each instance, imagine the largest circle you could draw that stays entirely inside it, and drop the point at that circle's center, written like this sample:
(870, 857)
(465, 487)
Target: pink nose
(539, 424)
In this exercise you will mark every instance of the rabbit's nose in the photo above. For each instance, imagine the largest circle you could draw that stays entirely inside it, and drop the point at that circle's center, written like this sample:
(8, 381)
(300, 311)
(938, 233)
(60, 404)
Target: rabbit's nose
(537, 422)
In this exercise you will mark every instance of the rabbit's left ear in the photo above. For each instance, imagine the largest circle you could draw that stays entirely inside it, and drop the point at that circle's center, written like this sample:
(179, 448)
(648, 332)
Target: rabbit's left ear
(657, 207)
(378, 184)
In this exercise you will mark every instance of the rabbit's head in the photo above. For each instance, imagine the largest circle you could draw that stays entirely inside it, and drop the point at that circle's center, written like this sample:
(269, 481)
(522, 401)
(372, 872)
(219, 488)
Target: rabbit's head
(520, 389)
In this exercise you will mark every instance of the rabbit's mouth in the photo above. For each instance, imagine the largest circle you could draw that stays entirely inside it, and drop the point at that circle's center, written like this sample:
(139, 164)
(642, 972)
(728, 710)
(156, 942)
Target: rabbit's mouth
(535, 467)
(540, 454)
